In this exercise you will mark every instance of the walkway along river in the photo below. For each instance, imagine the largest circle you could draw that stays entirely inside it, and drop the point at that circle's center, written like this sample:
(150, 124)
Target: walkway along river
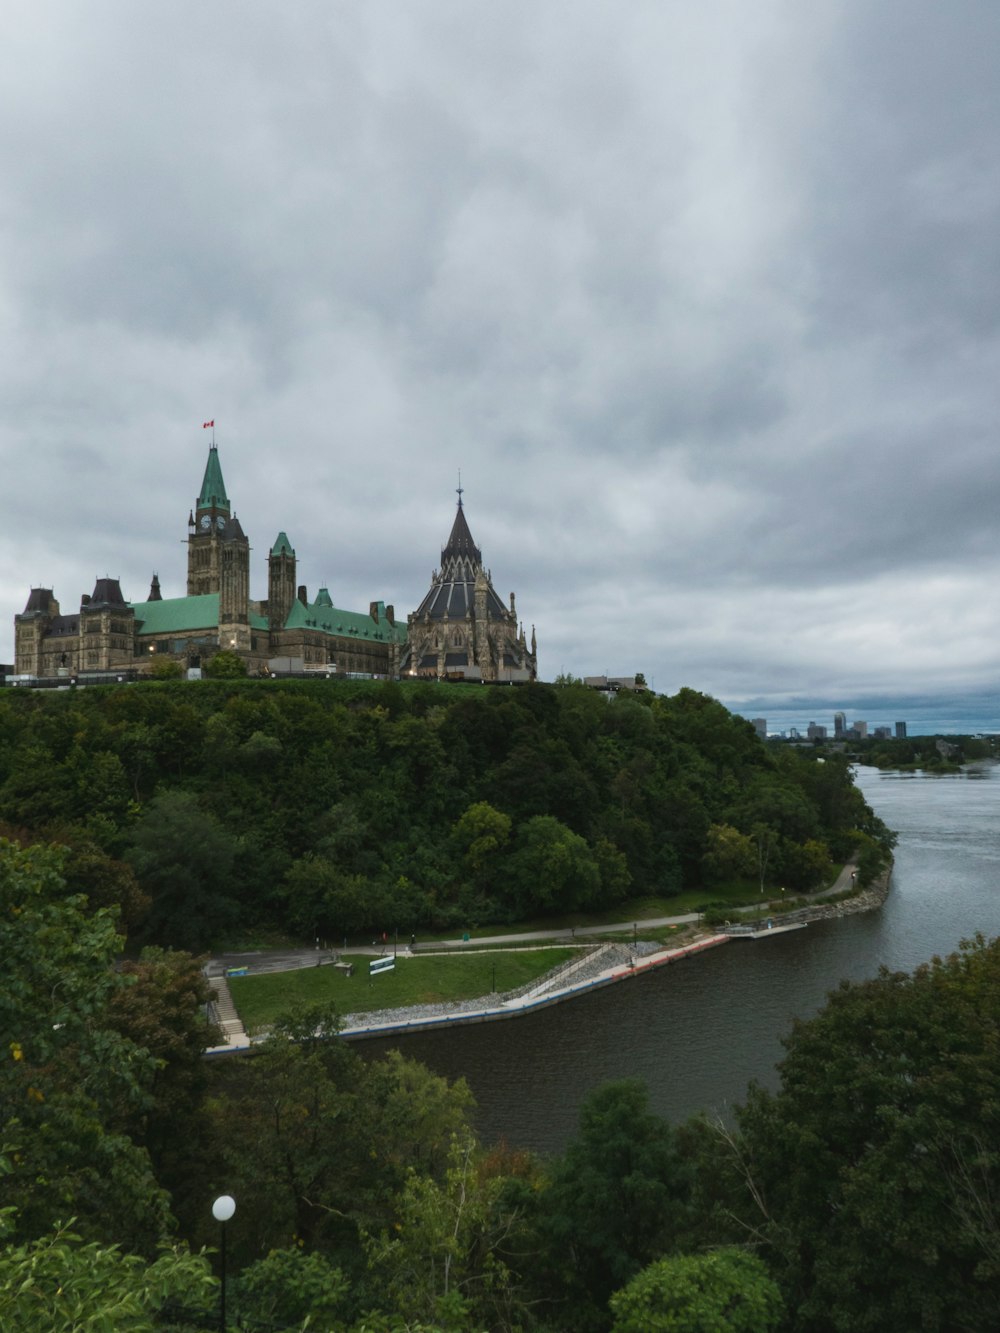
(698, 1031)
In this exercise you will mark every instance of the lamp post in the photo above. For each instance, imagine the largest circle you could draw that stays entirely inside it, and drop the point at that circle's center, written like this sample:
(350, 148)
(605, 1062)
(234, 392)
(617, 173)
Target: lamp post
(222, 1211)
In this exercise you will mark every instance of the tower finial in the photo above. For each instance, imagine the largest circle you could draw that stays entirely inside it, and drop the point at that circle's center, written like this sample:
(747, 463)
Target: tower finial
(460, 488)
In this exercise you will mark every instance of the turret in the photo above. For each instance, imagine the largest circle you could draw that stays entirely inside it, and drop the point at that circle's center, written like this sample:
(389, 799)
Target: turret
(280, 582)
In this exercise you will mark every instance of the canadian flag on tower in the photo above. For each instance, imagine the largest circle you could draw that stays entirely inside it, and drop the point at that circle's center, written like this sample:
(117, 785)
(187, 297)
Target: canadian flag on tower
(205, 424)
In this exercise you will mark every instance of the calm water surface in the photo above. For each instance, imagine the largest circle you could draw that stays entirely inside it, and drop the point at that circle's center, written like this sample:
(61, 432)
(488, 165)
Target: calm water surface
(697, 1032)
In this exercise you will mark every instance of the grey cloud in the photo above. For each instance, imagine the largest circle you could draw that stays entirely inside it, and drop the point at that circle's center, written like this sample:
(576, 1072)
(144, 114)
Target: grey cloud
(702, 300)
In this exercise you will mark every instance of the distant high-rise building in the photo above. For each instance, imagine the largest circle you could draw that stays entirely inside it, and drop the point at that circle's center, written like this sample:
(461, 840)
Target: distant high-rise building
(759, 725)
(883, 733)
(900, 731)
(839, 726)
(860, 730)
(816, 732)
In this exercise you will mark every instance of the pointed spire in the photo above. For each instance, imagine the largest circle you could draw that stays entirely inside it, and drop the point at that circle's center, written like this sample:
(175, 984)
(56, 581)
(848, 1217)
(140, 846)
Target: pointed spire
(154, 590)
(460, 542)
(213, 488)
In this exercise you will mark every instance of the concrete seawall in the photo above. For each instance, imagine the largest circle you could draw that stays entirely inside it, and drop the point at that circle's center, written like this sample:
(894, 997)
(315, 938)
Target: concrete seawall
(556, 989)
(358, 1027)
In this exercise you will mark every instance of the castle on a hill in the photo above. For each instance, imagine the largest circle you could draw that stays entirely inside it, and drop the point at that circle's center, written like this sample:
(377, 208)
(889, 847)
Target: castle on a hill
(461, 630)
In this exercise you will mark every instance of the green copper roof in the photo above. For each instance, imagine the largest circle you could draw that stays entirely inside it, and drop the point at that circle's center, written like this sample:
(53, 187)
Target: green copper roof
(180, 615)
(282, 546)
(213, 488)
(173, 615)
(330, 619)
(323, 597)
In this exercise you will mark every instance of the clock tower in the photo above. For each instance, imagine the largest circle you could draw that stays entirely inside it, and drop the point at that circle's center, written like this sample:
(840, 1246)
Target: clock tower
(219, 557)
(208, 524)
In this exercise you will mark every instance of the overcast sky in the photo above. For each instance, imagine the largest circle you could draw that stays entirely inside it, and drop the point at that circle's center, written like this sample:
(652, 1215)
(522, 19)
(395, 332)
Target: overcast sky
(702, 299)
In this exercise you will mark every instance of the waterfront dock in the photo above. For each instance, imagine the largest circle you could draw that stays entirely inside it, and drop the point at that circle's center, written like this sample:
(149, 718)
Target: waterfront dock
(759, 932)
(621, 964)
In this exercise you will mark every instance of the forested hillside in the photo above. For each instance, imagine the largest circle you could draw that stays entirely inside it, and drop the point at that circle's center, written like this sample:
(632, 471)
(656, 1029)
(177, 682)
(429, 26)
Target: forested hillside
(332, 807)
(861, 1194)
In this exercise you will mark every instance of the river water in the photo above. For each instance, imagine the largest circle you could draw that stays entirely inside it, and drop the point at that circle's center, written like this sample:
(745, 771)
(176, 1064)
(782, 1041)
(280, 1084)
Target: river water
(698, 1031)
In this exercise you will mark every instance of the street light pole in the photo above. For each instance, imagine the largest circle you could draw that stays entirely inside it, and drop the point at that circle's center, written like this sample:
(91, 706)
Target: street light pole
(222, 1211)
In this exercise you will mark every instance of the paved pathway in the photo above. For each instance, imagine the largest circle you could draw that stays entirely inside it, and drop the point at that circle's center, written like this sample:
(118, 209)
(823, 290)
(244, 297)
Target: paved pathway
(625, 960)
(603, 966)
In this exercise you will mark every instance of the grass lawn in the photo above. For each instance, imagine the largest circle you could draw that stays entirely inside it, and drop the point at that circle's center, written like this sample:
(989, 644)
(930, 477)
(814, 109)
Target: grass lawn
(428, 980)
(742, 893)
(634, 909)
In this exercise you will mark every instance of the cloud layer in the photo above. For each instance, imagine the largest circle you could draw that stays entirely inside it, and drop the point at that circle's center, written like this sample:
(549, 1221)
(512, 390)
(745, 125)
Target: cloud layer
(701, 299)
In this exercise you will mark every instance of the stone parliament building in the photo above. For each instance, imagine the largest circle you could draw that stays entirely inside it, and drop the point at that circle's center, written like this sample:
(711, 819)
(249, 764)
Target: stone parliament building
(460, 631)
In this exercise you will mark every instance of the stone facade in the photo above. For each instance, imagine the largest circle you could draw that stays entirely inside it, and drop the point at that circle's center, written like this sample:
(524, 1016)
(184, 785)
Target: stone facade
(462, 630)
(287, 632)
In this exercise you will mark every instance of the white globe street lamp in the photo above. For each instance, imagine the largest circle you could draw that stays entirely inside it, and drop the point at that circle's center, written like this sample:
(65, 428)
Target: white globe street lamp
(222, 1211)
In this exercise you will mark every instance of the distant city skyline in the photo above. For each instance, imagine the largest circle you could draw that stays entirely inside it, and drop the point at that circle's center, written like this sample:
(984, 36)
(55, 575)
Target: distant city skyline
(922, 716)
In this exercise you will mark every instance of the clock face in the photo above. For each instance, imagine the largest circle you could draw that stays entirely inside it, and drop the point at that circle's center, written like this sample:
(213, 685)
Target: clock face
(206, 522)
(220, 523)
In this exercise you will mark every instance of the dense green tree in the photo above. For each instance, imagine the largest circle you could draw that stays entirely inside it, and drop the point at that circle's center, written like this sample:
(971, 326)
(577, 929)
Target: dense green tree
(413, 1115)
(38, 790)
(873, 1169)
(225, 665)
(70, 1084)
(377, 781)
(323, 900)
(480, 835)
(162, 667)
(551, 869)
(161, 1007)
(781, 808)
(726, 1291)
(60, 1283)
(803, 865)
(285, 1130)
(617, 1199)
(292, 1287)
(315, 1143)
(729, 855)
(184, 860)
(443, 1258)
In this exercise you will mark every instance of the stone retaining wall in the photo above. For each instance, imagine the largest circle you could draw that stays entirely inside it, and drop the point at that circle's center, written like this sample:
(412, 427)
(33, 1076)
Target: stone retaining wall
(865, 901)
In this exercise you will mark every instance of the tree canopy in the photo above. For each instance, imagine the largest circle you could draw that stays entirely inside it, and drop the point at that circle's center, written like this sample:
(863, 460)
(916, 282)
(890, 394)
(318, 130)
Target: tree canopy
(335, 806)
(874, 1165)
